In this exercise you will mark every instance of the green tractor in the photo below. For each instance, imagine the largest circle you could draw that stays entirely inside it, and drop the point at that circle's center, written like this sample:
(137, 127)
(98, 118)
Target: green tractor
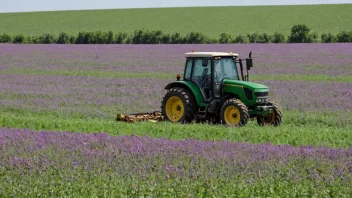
(213, 90)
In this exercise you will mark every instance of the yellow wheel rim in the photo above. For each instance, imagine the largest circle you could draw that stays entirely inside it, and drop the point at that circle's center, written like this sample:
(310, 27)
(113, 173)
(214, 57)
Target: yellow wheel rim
(174, 108)
(232, 115)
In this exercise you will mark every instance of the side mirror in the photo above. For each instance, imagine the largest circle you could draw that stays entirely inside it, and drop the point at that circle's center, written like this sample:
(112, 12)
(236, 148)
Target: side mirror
(249, 63)
(205, 62)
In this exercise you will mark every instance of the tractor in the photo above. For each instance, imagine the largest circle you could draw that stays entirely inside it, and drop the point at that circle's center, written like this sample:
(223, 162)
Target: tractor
(215, 89)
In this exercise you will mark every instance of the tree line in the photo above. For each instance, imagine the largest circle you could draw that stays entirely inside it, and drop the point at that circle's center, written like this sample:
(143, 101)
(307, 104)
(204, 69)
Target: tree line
(299, 34)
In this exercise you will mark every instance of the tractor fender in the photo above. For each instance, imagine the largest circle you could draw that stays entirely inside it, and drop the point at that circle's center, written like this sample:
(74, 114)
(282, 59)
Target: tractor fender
(190, 86)
(224, 98)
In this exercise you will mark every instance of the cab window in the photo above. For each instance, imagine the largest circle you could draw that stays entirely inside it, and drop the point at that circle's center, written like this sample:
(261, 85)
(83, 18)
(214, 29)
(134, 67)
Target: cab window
(188, 69)
(199, 70)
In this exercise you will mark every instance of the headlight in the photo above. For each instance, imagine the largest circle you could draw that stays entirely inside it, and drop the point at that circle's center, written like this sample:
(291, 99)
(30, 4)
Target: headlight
(262, 100)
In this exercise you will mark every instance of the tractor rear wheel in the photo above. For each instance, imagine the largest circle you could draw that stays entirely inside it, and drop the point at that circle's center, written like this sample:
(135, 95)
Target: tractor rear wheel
(234, 113)
(178, 105)
(274, 118)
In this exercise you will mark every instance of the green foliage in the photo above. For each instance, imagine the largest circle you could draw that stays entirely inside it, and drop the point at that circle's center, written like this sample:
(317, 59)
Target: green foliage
(81, 38)
(299, 34)
(328, 38)
(35, 39)
(253, 38)
(138, 36)
(47, 39)
(312, 38)
(147, 37)
(28, 40)
(297, 129)
(5, 38)
(344, 37)
(278, 38)
(211, 40)
(155, 36)
(103, 37)
(72, 39)
(166, 39)
(77, 182)
(109, 37)
(225, 38)
(195, 38)
(120, 38)
(259, 38)
(91, 37)
(176, 38)
(63, 38)
(264, 38)
(18, 39)
(100, 37)
(241, 39)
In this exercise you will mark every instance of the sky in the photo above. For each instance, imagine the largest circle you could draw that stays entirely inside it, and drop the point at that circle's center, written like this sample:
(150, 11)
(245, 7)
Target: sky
(50, 5)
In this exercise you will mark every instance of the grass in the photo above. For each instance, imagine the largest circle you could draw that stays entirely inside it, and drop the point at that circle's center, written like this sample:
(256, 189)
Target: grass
(164, 75)
(210, 20)
(317, 129)
(92, 73)
(79, 183)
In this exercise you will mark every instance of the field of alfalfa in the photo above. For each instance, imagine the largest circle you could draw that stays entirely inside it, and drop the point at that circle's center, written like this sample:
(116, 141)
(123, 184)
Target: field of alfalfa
(58, 136)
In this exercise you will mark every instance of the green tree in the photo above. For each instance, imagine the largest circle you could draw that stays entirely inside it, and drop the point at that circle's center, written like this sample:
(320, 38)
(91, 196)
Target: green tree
(91, 37)
(312, 38)
(5, 38)
(81, 38)
(72, 39)
(63, 38)
(264, 38)
(278, 38)
(18, 39)
(138, 37)
(299, 34)
(241, 39)
(253, 38)
(109, 37)
(344, 37)
(166, 39)
(120, 38)
(328, 38)
(176, 38)
(195, 38)
(225, 38)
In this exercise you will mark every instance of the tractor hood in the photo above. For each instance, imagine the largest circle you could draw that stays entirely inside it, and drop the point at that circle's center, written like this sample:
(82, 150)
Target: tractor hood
(250, 85)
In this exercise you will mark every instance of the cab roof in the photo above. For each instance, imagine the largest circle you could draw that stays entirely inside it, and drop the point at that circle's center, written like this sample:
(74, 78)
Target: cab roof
(209, 54)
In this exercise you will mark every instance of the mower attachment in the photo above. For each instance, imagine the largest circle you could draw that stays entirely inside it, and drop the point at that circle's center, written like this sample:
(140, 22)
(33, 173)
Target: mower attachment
(152, 117)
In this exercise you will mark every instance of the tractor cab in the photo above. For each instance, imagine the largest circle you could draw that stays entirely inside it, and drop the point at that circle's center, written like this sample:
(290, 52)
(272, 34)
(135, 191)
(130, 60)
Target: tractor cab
(215, 88)
(208, 70)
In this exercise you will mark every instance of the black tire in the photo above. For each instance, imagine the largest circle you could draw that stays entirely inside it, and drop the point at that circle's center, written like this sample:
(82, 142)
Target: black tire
(215, 119)
(273, 119)
(182, 115)
(234, 113)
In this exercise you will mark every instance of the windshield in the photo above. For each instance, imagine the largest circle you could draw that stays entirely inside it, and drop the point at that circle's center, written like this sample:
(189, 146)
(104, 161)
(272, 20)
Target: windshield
(225, 67)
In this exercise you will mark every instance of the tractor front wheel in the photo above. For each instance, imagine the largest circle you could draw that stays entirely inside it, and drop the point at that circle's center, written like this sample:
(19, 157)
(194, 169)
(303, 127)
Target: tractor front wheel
(234, 113)
(274, 118)
(178, 105)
